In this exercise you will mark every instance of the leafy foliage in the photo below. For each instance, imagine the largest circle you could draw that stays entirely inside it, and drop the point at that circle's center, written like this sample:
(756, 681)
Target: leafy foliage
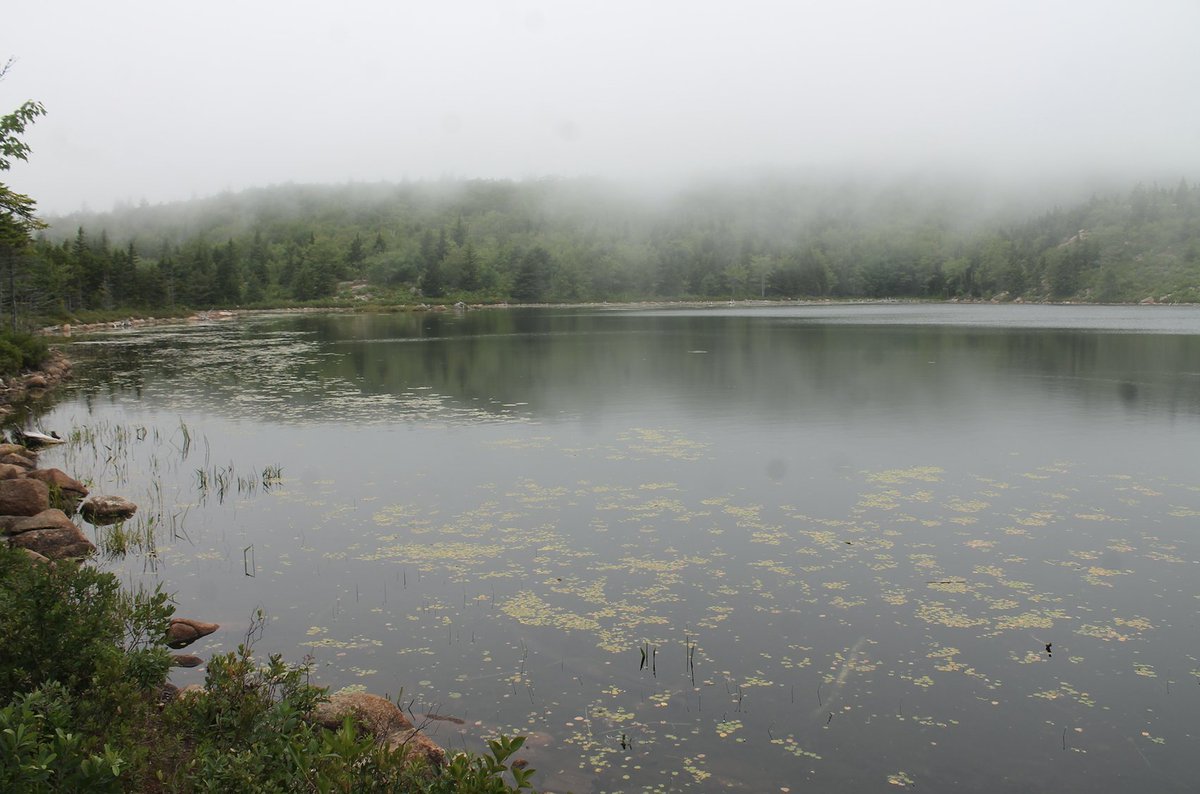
(252, 734)
(70, 625)
(20, 351)
(41, 752)
(16, 209)
(10, 358)
(80, 668)
(486, 773)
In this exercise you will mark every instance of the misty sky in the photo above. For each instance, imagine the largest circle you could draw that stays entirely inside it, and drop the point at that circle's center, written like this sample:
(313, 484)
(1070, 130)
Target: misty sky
(160, 101)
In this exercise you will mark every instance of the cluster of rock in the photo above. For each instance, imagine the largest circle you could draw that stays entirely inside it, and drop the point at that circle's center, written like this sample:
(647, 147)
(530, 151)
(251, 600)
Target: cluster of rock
(35, 507)
(66, 329)
(35, 515)
(17, 388)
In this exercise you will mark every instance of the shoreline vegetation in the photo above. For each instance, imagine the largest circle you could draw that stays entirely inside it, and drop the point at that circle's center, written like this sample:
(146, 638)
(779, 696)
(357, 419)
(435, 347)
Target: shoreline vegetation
(86, 703)
(29, 368)
(140, 320)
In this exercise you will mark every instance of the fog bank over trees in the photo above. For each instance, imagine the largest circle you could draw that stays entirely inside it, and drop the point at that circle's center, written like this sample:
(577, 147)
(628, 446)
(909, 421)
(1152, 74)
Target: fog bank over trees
(269, 153)
(167, 101)
(569, 240)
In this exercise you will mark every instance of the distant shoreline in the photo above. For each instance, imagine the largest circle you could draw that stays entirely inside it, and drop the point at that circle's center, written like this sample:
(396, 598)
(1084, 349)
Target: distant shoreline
(70, 329)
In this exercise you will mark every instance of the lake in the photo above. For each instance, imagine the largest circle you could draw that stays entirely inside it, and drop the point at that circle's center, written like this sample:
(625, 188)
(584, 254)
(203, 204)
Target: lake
(764, 549)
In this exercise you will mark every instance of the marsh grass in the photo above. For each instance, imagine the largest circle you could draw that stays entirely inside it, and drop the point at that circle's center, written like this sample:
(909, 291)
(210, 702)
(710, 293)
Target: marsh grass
(107, 455)
(135, 536)
(222, 482)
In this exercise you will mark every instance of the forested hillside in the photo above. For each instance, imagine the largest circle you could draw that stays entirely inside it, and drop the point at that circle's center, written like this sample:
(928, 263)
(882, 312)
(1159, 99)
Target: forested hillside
(580, 240)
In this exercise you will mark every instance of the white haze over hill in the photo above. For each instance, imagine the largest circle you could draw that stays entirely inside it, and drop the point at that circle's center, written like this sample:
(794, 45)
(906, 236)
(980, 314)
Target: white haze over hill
(162, 101)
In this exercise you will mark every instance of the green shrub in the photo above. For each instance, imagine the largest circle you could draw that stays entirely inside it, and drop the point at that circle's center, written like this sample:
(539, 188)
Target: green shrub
(41, 750)
(74, 628)
(80, 664)
(249, 725)
(251, 732)
(74, 625)
(10, 358)
(21, 351)
(33, 349)
(484, 774)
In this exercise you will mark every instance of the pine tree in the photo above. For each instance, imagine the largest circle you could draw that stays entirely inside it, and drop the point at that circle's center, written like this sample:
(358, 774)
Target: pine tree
(533, 276)
(468, 275)
(433, 283)
(356, 254)
(227, 276)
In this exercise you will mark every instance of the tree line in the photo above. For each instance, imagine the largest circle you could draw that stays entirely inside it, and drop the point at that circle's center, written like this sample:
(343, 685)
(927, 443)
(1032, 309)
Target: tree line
(578, 240)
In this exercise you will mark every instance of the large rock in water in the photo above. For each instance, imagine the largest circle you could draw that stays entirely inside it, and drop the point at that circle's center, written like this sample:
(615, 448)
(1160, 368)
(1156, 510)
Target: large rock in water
(23, 497)
(382, 719)
(182, 632)
(65, 490)
(107, 509)
(51, 534)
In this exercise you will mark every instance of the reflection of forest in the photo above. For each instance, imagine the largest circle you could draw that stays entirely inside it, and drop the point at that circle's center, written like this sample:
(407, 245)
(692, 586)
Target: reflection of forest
(564, 361)
(577, 362)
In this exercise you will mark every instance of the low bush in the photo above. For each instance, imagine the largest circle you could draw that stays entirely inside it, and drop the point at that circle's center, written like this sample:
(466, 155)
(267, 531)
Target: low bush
(41, 750)
(262, 712)
(81, 667)
(21, 351)
(10, 358)
(75, 626)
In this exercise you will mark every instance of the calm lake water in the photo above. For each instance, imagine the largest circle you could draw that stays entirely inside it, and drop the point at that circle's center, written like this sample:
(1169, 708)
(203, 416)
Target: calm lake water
(803, 548)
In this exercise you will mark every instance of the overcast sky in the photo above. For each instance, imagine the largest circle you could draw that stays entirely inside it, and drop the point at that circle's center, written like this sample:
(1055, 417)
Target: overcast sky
(164, 100)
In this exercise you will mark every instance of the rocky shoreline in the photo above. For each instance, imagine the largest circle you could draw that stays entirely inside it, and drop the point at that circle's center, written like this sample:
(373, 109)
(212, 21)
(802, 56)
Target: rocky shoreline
(68, 329)
(36, 509)
(36, 506)
(17, 389)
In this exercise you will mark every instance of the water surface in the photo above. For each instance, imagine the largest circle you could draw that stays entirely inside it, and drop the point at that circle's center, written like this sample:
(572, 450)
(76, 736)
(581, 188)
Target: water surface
(826, 547)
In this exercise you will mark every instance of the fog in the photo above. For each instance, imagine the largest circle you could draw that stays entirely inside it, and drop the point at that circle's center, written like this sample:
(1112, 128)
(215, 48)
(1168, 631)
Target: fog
(153, 101)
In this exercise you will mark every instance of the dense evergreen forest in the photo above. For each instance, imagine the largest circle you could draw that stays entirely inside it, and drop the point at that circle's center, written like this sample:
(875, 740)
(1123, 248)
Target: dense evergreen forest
(582, 240)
